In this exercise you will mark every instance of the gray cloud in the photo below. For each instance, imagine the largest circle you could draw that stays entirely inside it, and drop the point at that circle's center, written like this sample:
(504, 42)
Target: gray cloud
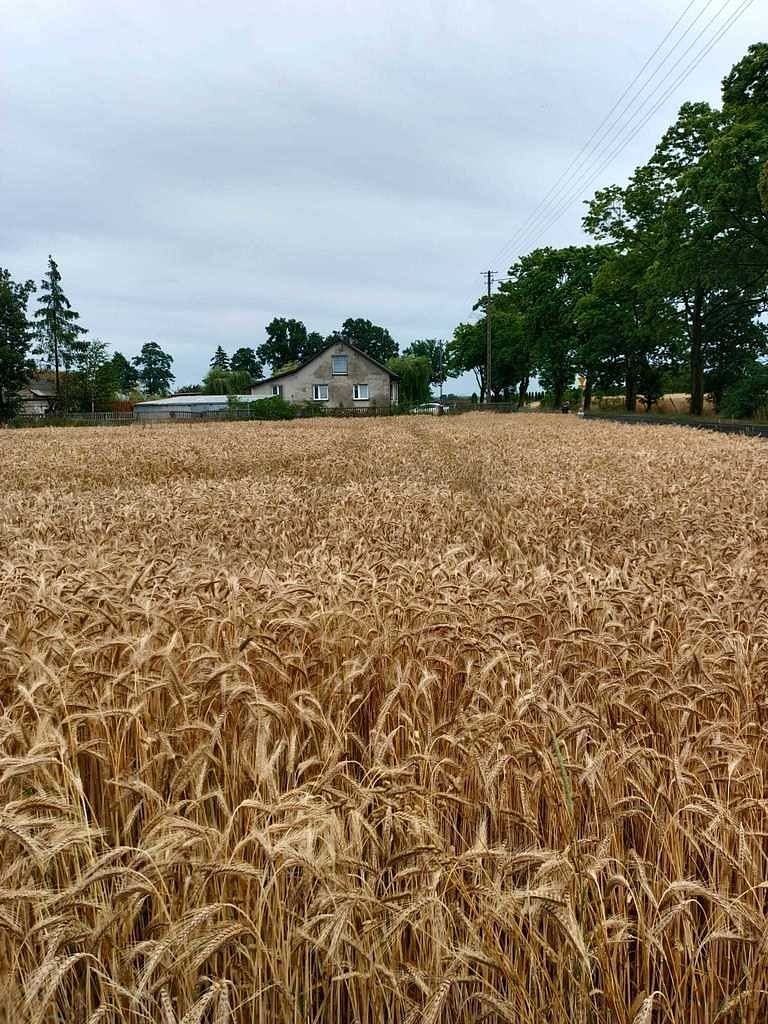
(197, 169)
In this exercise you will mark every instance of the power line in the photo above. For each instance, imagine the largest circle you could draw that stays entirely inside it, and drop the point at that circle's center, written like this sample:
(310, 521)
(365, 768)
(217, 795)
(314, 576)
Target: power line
(592, 175)
(552, 208)
(578, 158)
(619, 130)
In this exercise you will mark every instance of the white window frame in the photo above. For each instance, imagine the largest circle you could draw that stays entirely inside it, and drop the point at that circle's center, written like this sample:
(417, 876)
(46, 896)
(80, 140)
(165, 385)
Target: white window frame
(340, 373)
(356, 396)
(277, 390)
(316, 396)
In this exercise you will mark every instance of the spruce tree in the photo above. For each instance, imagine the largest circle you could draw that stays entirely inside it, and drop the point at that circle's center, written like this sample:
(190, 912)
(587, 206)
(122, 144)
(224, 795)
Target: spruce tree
(220, 359)
(58, 332)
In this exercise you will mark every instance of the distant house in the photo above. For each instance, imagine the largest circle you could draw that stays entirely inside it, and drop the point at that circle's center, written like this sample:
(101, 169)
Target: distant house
(340, 375)
(38, 398)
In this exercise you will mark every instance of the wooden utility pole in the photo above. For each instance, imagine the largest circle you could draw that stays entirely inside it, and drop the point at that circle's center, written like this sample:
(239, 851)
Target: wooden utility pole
(489, 276)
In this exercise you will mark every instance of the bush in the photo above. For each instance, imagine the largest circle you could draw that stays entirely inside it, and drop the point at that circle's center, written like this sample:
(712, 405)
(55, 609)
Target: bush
(748, 397)
(272, 409)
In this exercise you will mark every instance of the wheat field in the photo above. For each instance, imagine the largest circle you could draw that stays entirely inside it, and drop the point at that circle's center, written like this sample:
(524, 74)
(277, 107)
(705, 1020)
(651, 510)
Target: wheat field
(450, 720)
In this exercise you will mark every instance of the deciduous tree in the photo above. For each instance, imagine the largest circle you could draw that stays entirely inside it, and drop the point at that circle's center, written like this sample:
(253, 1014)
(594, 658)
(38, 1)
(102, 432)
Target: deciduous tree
(245, 360)
(154, 366)
(15, 339)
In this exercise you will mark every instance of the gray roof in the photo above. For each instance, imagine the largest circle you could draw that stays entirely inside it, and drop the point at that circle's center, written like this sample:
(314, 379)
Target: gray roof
(42, 388)
(193, 400)
(338, 341)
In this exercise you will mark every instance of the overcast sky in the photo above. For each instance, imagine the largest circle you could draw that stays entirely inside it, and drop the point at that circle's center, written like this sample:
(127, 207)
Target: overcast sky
(198, 168)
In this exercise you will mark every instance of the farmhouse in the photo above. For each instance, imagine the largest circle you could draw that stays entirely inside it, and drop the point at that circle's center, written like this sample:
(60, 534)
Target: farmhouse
(342, 375)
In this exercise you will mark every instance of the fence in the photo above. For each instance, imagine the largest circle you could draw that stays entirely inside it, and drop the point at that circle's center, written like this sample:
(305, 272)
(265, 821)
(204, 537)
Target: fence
(79, 419)
(721, 426)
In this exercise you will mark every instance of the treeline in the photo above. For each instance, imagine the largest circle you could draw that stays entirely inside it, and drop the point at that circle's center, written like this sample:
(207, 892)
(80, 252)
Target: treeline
(674, 291)
(289, 343)
(51, 341)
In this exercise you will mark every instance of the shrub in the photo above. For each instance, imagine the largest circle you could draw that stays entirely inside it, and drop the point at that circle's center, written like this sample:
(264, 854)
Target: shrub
(274, 408)
(748, 397)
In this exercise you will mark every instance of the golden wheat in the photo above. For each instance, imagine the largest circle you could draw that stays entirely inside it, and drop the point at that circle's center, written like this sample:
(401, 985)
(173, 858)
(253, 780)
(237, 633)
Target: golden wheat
(450, 720)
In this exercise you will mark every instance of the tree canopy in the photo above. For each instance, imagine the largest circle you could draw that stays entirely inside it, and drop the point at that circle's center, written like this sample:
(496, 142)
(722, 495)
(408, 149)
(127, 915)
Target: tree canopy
(58, 330)
(154, 366)
(679, 276)
(15, 339)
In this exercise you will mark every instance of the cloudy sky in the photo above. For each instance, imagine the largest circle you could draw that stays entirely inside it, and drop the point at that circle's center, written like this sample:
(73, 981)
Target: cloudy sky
(197, 168)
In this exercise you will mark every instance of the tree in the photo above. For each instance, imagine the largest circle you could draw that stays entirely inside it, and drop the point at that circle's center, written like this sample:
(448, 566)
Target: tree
(375, 341)
(466, 352)
(694, 214)
(154, 368)
(626, 330)
(220, 360)
(15, 336)
(435, 351)
(542, 297)
(748, 395)
(286, 343)
(315, 344)
(58, 329)
(95, 376)
(227, 382)
(414, 373)
(126, 375)
(244, 360)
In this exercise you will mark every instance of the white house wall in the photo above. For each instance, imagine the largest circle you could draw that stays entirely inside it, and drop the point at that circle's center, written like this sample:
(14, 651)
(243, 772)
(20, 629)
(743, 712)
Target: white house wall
(298, 387)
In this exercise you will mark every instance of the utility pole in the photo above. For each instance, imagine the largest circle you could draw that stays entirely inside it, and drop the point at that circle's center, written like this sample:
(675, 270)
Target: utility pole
(489, 276)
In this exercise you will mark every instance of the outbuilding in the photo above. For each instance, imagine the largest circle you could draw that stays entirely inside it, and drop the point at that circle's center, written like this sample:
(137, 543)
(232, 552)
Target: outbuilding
(185, 407)
(38, 398)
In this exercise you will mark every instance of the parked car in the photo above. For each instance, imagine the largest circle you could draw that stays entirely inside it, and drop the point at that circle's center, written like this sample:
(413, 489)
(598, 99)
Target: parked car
(430, 409)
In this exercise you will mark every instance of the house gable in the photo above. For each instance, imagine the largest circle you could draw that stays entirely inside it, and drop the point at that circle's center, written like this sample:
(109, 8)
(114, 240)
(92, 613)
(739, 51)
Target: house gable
(340, 376)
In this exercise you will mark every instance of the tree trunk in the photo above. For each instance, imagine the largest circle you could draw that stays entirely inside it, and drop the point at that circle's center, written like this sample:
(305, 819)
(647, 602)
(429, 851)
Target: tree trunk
(697, 354)
(630, 393)
(587, 393)
(522, 392)
(56, 365)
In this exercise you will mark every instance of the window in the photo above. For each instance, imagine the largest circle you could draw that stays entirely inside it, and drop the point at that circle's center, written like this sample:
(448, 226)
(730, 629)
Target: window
(360, 392)
(320, 392)
(277, 390)
(339, 366)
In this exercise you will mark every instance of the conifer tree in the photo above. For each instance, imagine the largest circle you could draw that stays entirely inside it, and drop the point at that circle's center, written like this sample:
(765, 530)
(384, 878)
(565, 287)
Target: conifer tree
(220, 359)
(58, 330)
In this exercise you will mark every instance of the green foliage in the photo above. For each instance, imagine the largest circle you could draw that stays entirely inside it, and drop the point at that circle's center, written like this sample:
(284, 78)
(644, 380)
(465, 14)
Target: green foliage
(244, 360)
(692, 220)
(274, 408)
(414, 373)
(126, 374)
(287, 342)
(226, 382)
(375, 341)
(748, 396)
(58, 331)
(154, 366)
(220, 359)
(436, 352)
(15, 336)
(94, 379)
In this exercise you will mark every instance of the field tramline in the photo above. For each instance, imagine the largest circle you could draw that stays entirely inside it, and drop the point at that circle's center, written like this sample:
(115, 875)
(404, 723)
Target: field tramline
(383, 721)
